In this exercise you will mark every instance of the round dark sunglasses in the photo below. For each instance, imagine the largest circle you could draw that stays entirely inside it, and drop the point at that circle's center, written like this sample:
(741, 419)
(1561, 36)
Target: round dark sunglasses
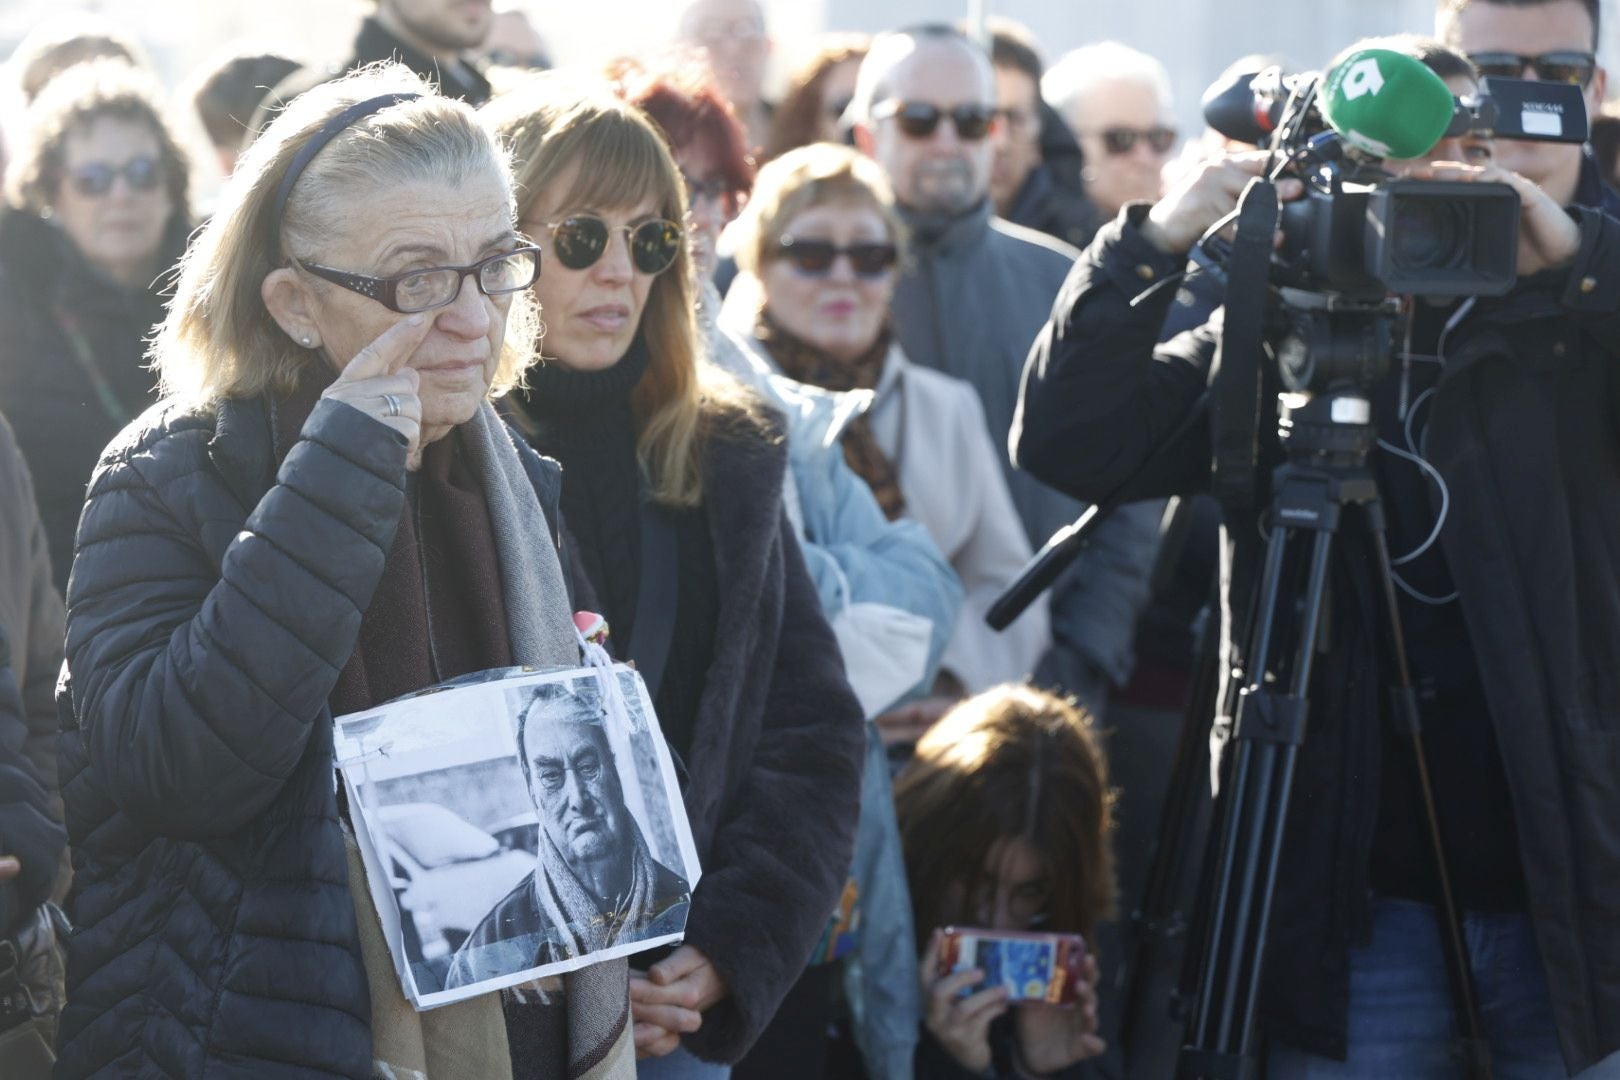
(920, 120)
(1568, 66)
(438, 286)
(815, 258)
(1122, 140)
(579, 241)
(144, 173)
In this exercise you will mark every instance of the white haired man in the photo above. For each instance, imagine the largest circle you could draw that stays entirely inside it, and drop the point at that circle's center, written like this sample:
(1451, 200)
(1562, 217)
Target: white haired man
(1117, 101)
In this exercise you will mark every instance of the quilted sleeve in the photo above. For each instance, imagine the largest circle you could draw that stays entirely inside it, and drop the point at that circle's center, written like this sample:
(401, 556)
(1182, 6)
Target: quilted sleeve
(196, 686)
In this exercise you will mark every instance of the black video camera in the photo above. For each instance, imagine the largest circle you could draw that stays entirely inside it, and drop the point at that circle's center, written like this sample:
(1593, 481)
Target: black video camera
(1362, 232)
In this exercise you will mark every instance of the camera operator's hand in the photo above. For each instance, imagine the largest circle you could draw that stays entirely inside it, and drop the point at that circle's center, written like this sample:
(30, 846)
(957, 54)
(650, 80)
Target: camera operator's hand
(1548, 237)
(1204, 196)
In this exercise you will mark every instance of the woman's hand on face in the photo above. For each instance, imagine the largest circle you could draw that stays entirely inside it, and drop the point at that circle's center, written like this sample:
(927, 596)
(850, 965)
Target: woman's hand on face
(1548, 237)
(377, 382)
(959, 1024)
(1051, 1038)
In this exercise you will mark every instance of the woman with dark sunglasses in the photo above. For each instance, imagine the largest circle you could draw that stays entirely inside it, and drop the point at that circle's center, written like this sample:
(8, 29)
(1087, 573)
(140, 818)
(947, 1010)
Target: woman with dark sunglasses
(97, 211)
(325, 513)
(823, 239)
(674, 499)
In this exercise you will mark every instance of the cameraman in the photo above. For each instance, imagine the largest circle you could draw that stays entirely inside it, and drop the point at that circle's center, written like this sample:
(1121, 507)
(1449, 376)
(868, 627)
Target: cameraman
(1513, 623)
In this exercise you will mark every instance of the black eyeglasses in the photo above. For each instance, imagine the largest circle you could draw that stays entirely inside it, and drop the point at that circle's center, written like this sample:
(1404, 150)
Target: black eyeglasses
(1122, 140)
(437, 286)
(96, 178)
(579, 241)
(920, 120)
(1564, 66)
(815, 258)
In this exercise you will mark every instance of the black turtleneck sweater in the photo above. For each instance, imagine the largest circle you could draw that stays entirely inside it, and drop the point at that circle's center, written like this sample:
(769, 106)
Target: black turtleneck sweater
(584, 421)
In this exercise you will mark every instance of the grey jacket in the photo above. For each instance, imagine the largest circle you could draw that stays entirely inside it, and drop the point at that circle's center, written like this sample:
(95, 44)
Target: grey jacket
(975, 295)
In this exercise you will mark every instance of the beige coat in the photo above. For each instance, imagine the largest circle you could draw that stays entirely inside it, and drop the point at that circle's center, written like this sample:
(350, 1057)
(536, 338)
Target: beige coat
(932, 427)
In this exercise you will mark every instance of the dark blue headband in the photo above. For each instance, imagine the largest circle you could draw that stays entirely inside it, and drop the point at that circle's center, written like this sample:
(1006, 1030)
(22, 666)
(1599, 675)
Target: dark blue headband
(306, 153)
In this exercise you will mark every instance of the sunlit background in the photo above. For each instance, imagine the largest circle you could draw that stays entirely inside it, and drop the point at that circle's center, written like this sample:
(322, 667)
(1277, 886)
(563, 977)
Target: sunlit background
(1194, 38)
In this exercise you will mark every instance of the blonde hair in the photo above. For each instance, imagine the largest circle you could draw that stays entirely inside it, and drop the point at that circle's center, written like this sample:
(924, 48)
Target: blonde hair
(219, 340)
(802, 179)
(554, 122)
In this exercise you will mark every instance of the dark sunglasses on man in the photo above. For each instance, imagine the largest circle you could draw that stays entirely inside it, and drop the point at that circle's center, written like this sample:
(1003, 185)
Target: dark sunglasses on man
(94, 178)
(1564, 66)
(919, 119)
(1122, 140)
(580, 240)
(815, 258)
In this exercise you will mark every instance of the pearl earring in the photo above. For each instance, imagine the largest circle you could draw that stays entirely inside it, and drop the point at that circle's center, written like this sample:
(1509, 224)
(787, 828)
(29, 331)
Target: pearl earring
(305, 340)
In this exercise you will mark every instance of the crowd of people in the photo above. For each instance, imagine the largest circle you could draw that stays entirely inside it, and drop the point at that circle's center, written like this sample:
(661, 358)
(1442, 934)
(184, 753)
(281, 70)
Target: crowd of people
(787, 392)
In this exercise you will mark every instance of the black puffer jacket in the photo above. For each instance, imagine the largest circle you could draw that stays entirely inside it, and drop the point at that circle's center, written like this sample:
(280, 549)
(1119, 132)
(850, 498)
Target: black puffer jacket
(72, 363)
(213, 603)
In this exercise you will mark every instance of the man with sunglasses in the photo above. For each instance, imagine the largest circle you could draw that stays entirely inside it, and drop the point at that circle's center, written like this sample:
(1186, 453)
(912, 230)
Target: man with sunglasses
(969, 303)
(1036, 178)
(1548, 40)
(1117, 101)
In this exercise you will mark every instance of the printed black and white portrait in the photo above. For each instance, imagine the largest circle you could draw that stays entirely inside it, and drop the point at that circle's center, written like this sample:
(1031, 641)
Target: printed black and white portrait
(545, 828)
(596, 881)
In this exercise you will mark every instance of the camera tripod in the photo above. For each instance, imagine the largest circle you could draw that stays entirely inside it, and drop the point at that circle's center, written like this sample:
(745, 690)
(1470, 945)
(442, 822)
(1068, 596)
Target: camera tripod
(1323, 482)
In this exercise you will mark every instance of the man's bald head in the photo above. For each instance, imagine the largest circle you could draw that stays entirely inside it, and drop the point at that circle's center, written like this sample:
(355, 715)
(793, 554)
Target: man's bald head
(930, 70)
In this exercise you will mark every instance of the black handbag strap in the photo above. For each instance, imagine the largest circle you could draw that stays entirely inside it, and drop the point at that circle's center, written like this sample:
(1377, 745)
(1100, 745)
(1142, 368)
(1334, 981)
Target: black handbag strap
(654, 627)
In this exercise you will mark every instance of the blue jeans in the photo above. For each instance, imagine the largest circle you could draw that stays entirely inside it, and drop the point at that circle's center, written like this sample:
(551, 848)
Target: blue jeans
(680, 1065)
(1401, 1015)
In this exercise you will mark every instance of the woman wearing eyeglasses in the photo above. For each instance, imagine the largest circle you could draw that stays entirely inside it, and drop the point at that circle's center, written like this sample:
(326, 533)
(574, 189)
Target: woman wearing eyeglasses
(673, 494)
(822, 237)
(325, 513)
(97, 211)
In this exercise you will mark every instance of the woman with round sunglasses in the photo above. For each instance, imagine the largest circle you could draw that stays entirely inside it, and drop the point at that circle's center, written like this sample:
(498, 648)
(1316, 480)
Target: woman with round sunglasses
(822, 237)
(324, 514)
(674, 500)
(97, 211)
(871, 573)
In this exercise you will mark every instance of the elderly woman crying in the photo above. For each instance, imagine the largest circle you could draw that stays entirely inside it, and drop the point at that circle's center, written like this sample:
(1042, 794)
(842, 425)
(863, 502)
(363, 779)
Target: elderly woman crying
(327, 513)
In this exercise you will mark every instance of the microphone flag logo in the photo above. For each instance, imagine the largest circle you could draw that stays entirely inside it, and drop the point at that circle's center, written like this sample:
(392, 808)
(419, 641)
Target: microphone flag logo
(1362, 78)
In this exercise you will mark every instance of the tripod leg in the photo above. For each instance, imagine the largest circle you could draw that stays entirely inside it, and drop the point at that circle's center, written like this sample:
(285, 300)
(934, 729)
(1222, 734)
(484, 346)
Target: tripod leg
(1269, 730)
(1476, 1050)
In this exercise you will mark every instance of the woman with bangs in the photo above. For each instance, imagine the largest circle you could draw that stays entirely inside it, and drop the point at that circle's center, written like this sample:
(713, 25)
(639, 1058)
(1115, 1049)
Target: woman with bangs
(673, 497)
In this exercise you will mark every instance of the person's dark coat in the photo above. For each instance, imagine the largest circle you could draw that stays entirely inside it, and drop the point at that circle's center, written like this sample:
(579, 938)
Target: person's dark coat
(773, 762)
(778, 744)
(30, 658)
(373, 44)
(216, 931)
(1525, 430)
(72, 362)
(1053, 198)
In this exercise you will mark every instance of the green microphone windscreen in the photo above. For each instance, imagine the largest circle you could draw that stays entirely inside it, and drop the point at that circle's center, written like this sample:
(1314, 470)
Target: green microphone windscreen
(1386, 103)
